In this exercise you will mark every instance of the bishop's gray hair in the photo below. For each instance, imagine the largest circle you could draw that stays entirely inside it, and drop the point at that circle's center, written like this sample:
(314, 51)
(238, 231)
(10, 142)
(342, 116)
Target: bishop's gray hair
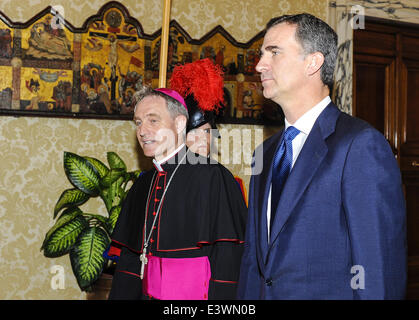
(314, 35)
(174, 107)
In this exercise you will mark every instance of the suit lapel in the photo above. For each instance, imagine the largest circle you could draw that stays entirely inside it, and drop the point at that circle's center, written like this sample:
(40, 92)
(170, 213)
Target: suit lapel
(309, 160)
(263, 187)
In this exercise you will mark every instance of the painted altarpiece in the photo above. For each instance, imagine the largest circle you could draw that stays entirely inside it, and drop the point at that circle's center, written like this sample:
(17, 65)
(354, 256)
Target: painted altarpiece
(51, 68)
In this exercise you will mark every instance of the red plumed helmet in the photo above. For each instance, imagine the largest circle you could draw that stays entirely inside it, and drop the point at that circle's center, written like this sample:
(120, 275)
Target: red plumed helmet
(203, 80)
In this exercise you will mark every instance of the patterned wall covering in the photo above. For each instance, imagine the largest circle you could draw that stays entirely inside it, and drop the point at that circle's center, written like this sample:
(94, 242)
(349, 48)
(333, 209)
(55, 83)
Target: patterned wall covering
(31, 172)
(241, 18)
(32, 178)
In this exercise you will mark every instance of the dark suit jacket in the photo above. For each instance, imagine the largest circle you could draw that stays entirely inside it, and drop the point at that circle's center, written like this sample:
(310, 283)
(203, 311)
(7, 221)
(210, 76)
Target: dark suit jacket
(340, 226)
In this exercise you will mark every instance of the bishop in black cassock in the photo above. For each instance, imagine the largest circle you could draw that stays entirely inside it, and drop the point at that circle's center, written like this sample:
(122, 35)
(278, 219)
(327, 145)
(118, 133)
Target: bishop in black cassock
(203, 214)
(180, 233)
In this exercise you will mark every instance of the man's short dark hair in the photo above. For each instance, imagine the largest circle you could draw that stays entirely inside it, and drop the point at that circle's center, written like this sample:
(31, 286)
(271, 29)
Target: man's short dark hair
(314, 35)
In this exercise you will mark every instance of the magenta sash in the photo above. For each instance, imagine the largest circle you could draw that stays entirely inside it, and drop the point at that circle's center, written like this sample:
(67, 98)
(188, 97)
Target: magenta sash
(177, 278)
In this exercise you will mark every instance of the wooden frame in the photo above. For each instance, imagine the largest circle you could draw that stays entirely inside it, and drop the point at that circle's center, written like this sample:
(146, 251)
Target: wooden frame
(51, 68)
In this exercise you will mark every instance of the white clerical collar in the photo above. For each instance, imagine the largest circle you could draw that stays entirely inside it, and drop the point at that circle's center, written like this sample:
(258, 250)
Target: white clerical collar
(158, 164)
(307, 120)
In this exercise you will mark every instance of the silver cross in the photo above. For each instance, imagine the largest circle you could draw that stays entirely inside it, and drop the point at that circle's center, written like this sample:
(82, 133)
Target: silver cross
(144, 261)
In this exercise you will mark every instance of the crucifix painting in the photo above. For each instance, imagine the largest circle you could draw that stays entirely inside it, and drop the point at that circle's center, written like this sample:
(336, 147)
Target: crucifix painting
(52, 68)
(107, 82)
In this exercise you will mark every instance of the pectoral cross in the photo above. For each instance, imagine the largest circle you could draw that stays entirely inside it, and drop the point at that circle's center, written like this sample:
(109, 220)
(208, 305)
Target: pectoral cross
(144, 261)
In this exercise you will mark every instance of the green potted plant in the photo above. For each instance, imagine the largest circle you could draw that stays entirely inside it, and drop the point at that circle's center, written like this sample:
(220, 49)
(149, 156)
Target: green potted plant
(85, 236)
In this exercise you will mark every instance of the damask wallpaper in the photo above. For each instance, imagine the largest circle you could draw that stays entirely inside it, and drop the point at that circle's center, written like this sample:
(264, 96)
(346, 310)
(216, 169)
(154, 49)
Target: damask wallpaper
(31, 170)
(242, 18)
(31, 180)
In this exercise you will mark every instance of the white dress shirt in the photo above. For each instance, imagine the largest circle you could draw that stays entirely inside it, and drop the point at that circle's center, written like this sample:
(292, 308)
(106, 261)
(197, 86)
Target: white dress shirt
(305, 123)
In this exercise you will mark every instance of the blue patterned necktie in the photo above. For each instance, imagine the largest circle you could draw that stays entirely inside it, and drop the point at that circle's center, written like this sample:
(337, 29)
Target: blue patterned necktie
(281, 168)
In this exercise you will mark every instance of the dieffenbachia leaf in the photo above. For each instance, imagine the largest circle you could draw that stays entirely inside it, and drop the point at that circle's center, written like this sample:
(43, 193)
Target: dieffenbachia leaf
(86, 256)
(115, 162)
(111, 177)
(101, 168)
(97, 219)
(112, 195)
(115, 211)
(70, 198)
(67, 215)
(81, 173)
(135, 174)
(63, 238)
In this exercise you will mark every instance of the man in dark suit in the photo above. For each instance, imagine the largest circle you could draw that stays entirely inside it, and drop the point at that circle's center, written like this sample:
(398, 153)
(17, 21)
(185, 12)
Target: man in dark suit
(326, 214)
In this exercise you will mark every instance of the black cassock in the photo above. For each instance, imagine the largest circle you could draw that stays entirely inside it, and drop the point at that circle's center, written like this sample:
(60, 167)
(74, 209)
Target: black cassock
(203, 213)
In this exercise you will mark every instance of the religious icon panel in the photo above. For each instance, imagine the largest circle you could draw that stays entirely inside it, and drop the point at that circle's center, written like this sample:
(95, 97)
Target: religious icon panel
(50, 68)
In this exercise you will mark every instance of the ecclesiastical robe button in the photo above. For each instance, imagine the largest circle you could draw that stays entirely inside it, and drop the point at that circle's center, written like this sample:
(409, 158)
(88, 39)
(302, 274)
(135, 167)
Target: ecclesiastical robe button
(268, 282)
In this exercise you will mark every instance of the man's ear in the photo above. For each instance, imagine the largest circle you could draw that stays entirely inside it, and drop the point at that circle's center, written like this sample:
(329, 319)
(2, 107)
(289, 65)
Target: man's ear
(314, 63)
(180, 123)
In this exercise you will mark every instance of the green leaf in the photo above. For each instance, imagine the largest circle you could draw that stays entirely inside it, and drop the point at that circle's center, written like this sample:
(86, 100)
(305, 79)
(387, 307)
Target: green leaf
(115, 162)
(96, 219)
(115, 211)
(112, 176)
(135, 174)
(70, 198)
(86, 256)
(112, 195)
(100, 167)
(67, 215)
(63, 238)
(115, 191)
(105, 195)
(81, 173)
